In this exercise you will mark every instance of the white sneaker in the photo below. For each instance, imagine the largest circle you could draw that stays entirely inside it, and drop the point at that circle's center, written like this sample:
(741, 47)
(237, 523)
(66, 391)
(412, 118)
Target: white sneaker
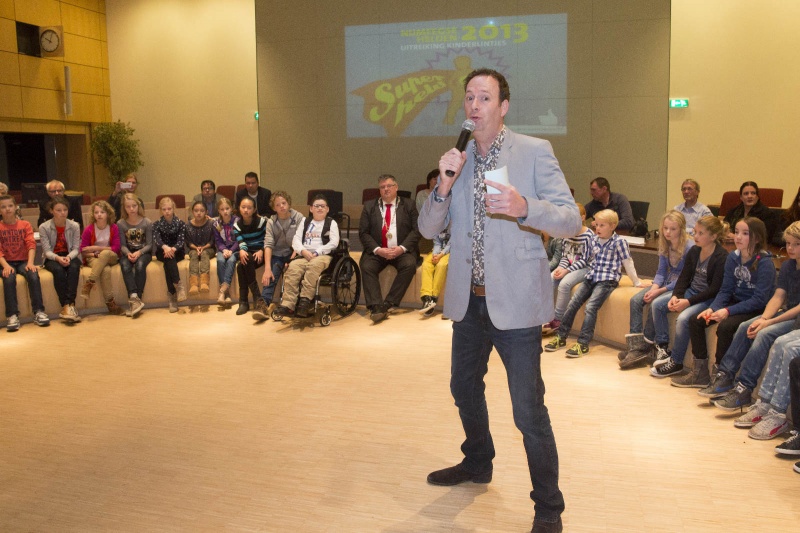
(75, 317)
(136, 306)
(753, 415)
(430, 304)
(41, 319)
(772, 425)
(12, 323)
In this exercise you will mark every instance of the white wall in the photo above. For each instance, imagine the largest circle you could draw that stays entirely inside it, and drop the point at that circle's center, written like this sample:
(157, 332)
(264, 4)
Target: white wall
(183, 73)
(737, 62)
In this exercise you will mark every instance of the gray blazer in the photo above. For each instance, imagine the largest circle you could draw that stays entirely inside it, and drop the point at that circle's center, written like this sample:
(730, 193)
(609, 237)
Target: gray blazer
(519, 291)
(48, 235)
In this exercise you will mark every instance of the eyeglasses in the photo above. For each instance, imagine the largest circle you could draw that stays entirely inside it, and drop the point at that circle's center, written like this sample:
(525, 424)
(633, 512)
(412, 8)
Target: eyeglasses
(387, 187)
(56, 191)
(208, 188)
(319, 206)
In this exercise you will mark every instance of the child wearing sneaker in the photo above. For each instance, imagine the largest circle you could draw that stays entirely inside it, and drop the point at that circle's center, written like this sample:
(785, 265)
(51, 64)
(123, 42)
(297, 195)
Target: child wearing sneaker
(696, 287)
(168, 235)
(100, 248)
(767, 417)
(791, 446)
(227, 248)
(571, 269)
(281, 229)
(610, 253)
(61, 248)
(313, 244)
(673, 245)
(434, 272)
(746, 289)
(136, 244)
(751, 344)
(200, 241)
(17, 252)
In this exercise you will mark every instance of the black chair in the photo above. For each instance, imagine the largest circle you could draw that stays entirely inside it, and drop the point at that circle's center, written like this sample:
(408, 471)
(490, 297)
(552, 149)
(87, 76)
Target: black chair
(639, 210)
(404, 194)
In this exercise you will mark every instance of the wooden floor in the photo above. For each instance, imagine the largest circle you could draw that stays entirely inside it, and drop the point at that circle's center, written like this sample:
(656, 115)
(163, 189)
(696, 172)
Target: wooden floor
(202, 421)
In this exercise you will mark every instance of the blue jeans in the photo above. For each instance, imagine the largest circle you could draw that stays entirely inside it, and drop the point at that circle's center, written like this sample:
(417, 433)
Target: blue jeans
(660, 314)
(520, 350)
(637, 310)
(596, 294)
(775, 387)
(564, 289)
(65, 279)
(10, 288)
(750, 355)
(135, 274)
(226, 267)
(277, 262)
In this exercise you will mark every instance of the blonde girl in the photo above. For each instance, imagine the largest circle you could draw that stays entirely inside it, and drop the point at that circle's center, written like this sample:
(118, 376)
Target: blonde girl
(100, 247)
(227, 248)
(673, 245)
(168, 239)
(136, 243)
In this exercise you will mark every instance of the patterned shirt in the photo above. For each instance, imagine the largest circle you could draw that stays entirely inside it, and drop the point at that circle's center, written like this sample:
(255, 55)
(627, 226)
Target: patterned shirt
(482, 165)
(576, 251)
(200, 235)
(169, 233)
(608, 258)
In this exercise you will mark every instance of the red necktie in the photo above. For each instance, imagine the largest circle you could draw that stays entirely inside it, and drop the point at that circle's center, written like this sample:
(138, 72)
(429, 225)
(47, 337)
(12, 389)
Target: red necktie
(387, 222)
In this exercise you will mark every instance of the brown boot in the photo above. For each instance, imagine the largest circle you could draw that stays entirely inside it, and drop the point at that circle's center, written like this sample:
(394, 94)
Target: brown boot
(223, 292)
(262, 310)
(204, 279)
(193, 282)
(88, 285)
(113, 308)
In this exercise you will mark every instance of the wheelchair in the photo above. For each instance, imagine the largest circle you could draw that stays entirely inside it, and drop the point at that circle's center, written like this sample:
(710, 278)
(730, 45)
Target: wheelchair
(343, 277)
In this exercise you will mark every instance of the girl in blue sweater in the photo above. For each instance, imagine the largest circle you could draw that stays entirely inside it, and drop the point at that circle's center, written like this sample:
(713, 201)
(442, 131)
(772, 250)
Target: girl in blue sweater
(673, 245)
(746, 287)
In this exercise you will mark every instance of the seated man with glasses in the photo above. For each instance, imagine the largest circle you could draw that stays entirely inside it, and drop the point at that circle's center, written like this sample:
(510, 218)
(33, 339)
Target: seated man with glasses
(314, 244)
(56, 189)
(389, 234)
(208, 195)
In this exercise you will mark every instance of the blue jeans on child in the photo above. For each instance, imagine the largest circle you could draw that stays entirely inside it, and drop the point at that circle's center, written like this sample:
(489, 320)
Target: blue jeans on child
(564, 289)
(135, 274)
(660, 314)
(596, 293)
(775, 387)
(277, 262)
(750, 355)
(637, 310)
(10, 288)
(226, 267)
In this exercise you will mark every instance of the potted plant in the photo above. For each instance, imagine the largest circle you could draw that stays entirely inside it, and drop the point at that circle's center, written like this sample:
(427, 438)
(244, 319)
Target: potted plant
(115, 149)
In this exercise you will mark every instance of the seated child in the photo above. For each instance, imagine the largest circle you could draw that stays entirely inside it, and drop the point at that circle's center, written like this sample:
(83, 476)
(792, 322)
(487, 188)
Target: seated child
(17, 253)
(227, 248)
(673, 245)
(136, 243)
(571, 269)
(249, 232)
(100, 248)
(746, 289)
(753, 338)
(318, 238)
(168, 236)
(609, 253)
(200, 241)
(791, 446)
(434, 272)
(61, 248)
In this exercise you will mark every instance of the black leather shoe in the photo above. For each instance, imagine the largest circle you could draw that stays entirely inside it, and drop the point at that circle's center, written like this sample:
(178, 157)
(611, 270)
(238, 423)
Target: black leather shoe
(303, 307)
(378, 313)
(455, 475)
(243, 308)
(540, 526)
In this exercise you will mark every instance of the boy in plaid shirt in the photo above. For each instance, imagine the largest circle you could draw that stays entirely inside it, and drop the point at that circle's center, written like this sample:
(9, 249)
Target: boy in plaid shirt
(610, 253)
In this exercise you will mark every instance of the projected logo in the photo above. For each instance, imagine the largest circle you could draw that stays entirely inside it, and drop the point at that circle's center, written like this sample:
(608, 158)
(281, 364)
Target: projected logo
(407, 79)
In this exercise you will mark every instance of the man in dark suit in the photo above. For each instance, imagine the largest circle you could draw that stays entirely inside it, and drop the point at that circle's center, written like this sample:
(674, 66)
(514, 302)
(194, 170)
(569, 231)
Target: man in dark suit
(55, 189)
(388, 232)
(260, 195)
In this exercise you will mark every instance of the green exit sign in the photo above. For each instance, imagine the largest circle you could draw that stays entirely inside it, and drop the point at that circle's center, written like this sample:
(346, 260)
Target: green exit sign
(678, 102)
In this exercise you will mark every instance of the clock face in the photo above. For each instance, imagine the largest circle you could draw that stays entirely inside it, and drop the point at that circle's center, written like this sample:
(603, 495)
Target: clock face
(49, 41)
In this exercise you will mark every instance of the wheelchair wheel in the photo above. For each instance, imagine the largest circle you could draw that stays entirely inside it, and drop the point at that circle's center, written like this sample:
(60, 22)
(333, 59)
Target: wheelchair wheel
(325, 319)
(346, 285)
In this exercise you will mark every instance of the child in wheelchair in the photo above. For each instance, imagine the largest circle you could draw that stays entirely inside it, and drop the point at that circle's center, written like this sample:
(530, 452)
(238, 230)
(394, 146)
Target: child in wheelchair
(314, 244)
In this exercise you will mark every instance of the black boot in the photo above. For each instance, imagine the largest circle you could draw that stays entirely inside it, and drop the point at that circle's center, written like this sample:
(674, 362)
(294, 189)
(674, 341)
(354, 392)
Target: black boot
(303, 308)
(243, 307)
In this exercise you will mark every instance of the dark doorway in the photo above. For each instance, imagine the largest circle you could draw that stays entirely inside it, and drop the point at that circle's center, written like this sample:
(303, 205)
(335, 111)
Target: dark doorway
(26, 160)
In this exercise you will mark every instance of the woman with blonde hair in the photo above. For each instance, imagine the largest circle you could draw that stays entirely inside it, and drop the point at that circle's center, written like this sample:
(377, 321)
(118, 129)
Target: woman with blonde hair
(673, 244)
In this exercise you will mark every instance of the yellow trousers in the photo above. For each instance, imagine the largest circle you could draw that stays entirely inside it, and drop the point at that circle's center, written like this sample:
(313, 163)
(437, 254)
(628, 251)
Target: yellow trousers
(433, 276)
